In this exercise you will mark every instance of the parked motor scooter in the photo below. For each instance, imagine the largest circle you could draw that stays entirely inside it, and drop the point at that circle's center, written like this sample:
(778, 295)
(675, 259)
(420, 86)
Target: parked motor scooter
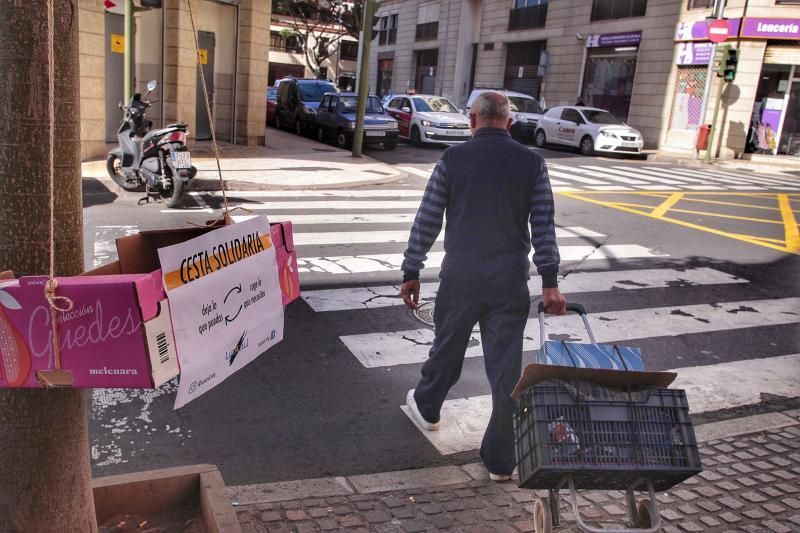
(157, 160)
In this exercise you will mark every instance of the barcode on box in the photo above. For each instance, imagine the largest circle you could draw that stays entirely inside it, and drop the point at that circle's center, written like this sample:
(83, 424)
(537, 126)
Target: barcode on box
(163, 347)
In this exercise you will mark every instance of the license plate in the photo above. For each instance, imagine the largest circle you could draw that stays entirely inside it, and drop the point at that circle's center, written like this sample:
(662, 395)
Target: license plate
(629, 145)
(463, 133)
(181, 159)
(371, 133)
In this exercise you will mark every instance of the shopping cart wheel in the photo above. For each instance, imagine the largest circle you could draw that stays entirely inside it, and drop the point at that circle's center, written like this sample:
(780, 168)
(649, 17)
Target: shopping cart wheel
(643, 519)
(542, 517)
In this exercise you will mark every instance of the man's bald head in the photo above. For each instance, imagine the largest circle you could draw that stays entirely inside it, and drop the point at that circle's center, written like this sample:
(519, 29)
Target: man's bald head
(490, 110)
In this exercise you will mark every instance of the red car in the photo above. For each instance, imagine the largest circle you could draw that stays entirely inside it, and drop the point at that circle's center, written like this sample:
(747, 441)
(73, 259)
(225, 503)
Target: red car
(272, 105)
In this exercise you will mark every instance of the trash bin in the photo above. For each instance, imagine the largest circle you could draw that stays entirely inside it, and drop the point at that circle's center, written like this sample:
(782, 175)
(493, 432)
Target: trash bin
(702, 137)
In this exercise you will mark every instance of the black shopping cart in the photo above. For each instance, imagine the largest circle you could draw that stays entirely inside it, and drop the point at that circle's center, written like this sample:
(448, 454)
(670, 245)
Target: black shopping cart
(600, 429)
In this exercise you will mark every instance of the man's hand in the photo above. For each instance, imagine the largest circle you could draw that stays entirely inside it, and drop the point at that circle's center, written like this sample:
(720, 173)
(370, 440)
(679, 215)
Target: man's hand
(410, 293)
(554, 302)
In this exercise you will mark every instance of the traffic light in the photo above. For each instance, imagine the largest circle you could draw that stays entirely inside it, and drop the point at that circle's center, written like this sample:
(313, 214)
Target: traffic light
(720, 59)
(731, 59)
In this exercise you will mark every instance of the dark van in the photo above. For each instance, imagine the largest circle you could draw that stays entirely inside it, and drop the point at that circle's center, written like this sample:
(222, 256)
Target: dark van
(298, 101)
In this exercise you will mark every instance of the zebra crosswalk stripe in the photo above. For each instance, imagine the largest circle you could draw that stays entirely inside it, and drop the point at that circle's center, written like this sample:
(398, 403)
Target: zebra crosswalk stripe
(308, 193)
(357, 264)
(464, 420)
(412, 346)
(327, 300)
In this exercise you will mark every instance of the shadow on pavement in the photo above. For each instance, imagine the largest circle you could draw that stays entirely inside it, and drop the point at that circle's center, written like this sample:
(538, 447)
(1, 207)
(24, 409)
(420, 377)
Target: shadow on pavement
(95, 192)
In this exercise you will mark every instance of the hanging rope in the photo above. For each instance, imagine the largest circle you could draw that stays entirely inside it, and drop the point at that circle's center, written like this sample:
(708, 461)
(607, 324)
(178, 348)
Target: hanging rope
(227, 214)
(55, 377)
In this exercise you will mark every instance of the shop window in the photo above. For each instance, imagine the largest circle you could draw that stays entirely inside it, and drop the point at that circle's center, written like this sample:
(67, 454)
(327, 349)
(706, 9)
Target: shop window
(527, 14)
(618, 9)
(349, 51)
(701, 4)
(428, 22)
(608, 80)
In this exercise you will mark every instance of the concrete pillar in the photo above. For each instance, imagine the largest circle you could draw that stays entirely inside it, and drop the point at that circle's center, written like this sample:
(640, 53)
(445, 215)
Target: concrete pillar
(180, 63)
(252, 71)
(91, 25)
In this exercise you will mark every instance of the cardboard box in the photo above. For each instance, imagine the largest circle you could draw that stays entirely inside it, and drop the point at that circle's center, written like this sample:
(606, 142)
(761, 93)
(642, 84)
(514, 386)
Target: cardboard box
(118, 333)
(534, 373)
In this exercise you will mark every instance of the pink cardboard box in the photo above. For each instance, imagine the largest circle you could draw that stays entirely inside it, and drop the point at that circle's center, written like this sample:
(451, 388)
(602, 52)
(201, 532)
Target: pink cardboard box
(118, 333)
(287, 260)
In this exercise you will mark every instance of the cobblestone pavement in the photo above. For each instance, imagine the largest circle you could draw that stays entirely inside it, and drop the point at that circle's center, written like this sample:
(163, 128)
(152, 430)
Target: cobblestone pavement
(750, 483)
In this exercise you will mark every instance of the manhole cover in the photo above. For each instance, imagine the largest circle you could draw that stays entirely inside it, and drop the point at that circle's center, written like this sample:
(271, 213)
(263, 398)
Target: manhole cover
(424, 313)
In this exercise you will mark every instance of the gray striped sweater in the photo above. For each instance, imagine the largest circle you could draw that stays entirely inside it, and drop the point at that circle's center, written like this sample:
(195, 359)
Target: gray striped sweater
(498, 201)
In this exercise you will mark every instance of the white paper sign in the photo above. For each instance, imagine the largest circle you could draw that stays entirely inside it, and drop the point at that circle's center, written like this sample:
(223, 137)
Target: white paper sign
(225, 302)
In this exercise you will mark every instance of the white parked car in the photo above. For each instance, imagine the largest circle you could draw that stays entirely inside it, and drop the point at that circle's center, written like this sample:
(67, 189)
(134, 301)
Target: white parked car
(525, 112)
(426, 118)
(589, 129)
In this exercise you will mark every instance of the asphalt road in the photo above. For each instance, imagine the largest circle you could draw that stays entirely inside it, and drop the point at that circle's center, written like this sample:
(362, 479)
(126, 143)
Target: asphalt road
(703, 286)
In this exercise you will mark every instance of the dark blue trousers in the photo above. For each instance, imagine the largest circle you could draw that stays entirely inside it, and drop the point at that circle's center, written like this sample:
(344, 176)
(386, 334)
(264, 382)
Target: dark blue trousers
(502, 311)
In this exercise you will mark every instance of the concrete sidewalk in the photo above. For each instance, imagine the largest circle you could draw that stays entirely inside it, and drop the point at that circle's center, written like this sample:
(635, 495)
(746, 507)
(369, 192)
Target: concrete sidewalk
(751, 482)
(286, 162)
(757, 163)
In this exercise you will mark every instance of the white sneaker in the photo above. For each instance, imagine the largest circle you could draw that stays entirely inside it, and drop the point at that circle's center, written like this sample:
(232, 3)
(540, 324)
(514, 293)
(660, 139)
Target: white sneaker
(412, 406)
(499, 477)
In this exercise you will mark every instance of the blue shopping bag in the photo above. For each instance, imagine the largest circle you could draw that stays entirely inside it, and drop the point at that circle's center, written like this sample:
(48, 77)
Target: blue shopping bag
(606, 356)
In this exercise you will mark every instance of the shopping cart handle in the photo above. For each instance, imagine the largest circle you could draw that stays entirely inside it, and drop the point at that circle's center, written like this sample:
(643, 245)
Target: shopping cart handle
(574, 308)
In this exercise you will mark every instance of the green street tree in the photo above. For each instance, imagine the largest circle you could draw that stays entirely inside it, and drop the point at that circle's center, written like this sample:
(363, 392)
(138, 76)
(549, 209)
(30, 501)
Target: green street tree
(319, 26)
(45, 477)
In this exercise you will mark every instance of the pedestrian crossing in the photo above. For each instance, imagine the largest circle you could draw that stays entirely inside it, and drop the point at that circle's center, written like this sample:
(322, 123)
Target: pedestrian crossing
(348, 237)
(651, 177)
(373, 226)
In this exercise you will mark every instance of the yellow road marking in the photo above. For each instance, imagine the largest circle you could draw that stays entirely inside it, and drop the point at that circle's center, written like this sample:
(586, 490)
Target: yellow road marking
(765, 239)
(720, 215)
(732, 204)
(643, 206)
(789, 223)
(667, 204)
(737, 236)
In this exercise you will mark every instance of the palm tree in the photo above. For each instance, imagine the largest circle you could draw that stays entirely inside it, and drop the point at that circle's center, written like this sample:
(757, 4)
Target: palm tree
(45, 477)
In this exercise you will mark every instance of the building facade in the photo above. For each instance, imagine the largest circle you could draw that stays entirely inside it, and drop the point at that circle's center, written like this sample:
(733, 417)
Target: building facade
(233, 39)
(628, 56)
(760, 109)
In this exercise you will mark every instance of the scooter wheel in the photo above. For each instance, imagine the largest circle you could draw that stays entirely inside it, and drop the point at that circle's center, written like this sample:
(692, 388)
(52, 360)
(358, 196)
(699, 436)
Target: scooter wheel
(114, 168)
(174, 195)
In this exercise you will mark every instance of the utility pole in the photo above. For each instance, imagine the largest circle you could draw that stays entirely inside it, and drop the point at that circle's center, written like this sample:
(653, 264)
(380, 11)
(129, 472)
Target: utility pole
(719, 10)
(363, 82)
(128, 51)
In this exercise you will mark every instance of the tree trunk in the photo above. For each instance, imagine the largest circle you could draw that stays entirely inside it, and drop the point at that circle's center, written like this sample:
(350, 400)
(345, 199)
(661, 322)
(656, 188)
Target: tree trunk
(45, 477)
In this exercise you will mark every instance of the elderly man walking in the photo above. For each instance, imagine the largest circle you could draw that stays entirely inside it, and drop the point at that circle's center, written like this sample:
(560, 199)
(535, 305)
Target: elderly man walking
(492, 188)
